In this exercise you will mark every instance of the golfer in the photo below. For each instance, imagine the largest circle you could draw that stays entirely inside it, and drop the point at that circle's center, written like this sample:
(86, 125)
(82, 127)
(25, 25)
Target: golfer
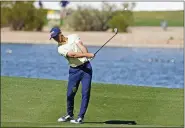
(72, 48)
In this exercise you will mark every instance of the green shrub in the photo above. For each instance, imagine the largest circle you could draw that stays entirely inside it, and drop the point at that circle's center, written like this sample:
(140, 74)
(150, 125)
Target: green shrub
(5, 13)
(81, 20)
(24, 16)
(4, 16)
(90, 19)
(121, 20)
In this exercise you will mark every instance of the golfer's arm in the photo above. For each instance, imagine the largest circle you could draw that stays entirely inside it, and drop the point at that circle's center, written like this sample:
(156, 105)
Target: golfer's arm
(79, 54)
(82, 47)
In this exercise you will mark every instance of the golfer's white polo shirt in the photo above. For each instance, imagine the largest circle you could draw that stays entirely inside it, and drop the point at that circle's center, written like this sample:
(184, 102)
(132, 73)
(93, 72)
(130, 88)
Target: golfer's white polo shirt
(71, 45)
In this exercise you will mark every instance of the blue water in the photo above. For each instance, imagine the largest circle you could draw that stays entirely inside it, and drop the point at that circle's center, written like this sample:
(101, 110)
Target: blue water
(155, 67)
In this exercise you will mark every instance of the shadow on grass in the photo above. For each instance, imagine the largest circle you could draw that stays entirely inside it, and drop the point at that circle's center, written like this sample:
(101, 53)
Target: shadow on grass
(114, 122)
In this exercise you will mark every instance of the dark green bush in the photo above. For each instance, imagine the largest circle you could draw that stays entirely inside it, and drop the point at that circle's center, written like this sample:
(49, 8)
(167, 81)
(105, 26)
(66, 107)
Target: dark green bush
(5, 13)
(122, 20)
(24, 16)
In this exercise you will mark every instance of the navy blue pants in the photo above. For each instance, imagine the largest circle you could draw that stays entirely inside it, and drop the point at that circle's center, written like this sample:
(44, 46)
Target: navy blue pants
(83, 74)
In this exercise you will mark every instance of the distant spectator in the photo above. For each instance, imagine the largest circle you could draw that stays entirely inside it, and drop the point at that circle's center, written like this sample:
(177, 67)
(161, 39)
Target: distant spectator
(40, 4)
(164, 25)
(64, 3)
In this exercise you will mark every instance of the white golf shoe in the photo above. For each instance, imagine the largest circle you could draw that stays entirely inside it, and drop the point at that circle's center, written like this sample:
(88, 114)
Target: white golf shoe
(65, 118)
(79, 120)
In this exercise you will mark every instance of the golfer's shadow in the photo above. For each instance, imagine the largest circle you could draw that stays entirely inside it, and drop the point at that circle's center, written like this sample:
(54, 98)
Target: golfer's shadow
(114, 122)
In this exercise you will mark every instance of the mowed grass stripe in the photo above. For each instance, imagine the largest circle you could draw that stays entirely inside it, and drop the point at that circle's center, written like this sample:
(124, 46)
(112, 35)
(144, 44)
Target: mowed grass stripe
(153, 18)
(39, 102)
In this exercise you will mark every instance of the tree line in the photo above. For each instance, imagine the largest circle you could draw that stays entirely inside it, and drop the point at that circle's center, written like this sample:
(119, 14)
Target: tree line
(23, 15)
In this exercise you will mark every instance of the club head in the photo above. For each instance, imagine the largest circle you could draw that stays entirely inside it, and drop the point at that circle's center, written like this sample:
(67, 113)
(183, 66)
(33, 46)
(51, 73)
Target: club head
(116, 30)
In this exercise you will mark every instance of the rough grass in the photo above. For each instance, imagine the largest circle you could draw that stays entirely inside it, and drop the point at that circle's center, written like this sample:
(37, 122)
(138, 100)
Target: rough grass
(39, 102)
(144, 18)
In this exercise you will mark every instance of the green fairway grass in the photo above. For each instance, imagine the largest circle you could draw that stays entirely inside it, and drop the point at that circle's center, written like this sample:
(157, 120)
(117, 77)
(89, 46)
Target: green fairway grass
(40, 102)
(144, 18)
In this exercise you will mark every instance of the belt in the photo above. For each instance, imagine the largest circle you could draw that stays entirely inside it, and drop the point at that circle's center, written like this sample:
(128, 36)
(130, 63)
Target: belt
(79, 66)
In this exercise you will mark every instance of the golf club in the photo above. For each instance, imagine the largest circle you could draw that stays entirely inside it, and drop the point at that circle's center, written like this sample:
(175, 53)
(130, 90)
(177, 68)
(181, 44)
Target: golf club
(115, 31)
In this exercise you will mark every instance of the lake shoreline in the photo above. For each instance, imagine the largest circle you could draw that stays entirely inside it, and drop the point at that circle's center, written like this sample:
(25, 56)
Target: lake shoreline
(149, 37)
(113, 46)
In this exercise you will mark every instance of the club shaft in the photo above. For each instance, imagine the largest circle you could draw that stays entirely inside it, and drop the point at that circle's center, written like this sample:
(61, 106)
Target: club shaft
(104, 44)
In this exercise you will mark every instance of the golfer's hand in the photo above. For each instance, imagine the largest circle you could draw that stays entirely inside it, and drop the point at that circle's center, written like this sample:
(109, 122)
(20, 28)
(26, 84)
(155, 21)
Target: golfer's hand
(91, 55)
(91, 58)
